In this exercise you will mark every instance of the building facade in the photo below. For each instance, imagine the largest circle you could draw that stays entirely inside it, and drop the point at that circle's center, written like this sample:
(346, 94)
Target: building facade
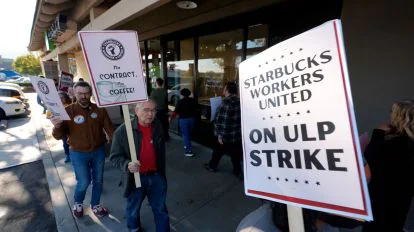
(199, 44)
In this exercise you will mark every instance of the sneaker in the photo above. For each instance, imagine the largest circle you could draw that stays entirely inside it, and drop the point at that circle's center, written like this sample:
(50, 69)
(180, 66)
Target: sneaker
(189, 154)
(209, 168)
(77, 210)
(100, 211)
(67, 159)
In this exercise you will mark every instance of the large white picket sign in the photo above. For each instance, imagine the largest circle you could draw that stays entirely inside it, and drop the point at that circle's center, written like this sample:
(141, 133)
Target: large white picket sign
(300, 139)
(115, 66)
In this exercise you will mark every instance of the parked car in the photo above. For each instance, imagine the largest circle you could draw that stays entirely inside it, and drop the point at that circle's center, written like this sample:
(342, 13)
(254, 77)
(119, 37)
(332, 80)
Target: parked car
(20, 80)
(14, 91)
(9, 74)
(10, 106)
(174, 93)
(2, 76)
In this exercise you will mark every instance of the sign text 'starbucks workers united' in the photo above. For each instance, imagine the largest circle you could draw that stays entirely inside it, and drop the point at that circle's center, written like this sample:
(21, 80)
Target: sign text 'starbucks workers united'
(300, 140)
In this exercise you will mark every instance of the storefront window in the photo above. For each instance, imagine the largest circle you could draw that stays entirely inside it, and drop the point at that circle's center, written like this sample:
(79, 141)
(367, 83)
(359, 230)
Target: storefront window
(219, 59)
(142, 51)
(180, 68)
(257, 39)
(154, 60)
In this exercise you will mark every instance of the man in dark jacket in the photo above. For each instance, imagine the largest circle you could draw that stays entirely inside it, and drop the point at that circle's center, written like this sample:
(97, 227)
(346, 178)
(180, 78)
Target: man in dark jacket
(227, 129)
(150, 147)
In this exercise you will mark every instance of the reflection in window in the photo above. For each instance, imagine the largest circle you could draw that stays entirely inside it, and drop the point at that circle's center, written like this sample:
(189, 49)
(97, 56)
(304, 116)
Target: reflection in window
(154, 58)
(142, 50)
(180, 68)
(219, 58)
(257, 39)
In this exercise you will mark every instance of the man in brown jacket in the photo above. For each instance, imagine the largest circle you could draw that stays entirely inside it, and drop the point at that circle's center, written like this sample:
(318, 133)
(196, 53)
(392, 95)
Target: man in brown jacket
(86, 139)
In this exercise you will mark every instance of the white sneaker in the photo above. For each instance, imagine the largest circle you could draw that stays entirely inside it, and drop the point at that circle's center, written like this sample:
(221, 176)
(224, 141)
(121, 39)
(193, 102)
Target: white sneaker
(188, 154)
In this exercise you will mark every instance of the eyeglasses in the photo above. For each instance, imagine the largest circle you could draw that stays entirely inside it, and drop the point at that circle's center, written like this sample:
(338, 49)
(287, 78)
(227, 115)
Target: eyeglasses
(83, 94)
(148, 110)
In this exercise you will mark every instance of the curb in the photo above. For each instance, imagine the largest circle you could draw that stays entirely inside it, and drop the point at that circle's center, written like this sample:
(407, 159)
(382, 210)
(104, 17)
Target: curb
(61, 206)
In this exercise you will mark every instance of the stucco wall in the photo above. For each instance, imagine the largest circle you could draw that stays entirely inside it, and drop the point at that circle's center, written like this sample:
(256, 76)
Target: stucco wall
(379, 41)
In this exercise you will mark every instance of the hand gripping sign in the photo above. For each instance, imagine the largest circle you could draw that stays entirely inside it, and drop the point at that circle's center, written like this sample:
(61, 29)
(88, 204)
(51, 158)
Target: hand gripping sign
(300, 139)
(115, 68)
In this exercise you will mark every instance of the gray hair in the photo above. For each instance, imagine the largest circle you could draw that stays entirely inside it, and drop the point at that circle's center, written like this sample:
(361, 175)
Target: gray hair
(140, 104)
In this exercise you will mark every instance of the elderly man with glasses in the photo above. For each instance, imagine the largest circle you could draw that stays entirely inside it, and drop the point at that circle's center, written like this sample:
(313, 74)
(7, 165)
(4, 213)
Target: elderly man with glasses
(150, 147)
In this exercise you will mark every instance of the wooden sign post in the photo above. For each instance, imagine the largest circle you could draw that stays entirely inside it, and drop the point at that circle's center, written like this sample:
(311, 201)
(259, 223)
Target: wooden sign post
(132, 149)
(295, 217)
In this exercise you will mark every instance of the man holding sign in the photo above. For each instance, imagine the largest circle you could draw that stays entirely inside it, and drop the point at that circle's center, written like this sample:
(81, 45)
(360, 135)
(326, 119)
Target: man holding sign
(150, 147)
(86, 139)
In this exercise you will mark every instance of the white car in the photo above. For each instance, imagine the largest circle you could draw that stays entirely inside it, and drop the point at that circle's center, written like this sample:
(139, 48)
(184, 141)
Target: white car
(14, 91)
(20, 80)
(174, 93)
(10, 106)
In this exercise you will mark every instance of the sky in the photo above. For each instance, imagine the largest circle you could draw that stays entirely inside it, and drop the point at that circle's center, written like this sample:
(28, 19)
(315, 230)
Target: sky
(16, 18)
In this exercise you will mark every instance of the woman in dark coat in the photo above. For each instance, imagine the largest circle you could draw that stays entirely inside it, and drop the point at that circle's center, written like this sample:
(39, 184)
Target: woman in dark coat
(390, 155)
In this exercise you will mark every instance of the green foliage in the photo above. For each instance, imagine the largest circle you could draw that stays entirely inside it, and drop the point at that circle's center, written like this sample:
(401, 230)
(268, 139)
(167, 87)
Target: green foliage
(27, 64)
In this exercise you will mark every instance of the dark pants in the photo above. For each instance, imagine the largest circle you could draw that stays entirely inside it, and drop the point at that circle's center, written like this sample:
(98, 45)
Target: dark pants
(40, 102)
(234, 150)
(65, 145)
(186, 127)
(162, 115)
(155, 188)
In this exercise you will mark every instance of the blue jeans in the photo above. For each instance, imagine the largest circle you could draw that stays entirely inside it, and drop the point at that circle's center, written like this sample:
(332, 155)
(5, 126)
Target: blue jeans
(155, 188)
(65, 145)
(87, 166)
(186, 126)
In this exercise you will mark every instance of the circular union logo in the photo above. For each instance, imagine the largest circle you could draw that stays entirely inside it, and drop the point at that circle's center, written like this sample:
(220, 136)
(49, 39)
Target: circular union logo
(112, 49)
(43, 87)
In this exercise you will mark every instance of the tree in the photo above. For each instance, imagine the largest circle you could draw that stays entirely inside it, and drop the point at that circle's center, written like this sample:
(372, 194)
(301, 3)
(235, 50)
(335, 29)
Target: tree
(27, 64)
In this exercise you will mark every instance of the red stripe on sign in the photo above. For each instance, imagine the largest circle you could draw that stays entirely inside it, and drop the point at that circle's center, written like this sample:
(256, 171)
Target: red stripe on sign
(349, 114)
(308, 202)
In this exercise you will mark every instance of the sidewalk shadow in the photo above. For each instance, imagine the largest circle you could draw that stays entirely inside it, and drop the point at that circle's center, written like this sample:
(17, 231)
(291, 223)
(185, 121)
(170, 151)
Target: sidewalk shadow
(25, 202)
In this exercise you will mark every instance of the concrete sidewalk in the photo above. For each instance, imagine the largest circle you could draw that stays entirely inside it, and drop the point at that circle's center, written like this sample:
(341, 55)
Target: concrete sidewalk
(197, 200)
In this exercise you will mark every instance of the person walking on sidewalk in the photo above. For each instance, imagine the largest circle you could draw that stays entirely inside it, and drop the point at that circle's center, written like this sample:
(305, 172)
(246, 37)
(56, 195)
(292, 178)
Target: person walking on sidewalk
(150, 147)
(86, 138)
(160, 96)
(227, 129)
(186, 110)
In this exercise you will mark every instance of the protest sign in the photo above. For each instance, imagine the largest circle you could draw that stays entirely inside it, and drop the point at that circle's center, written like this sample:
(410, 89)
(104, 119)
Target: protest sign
(115, 67)
(300, 139)
(65, 81)
(46, 90)
(114, 62)
(215, 102)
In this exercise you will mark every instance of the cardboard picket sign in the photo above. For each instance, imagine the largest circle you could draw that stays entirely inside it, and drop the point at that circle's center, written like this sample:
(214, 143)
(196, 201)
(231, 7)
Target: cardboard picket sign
(300, 140)
(115, 69)
(46, 90)
(65, 81)
(114, 63)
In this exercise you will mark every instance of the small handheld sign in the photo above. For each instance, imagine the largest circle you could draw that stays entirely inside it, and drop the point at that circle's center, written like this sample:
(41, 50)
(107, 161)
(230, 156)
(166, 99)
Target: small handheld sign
(115, 67)
(300, 139)
(65, 81)
(46, 90)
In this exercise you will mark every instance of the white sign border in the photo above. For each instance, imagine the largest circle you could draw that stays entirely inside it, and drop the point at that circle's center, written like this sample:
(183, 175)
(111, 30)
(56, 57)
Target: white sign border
(90, 71)
(366, 213)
